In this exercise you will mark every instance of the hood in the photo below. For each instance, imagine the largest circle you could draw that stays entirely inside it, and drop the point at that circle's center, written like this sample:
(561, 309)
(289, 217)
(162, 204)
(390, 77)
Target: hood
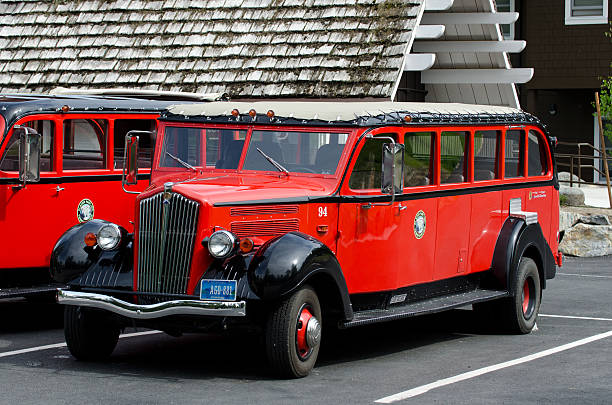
(216, 188)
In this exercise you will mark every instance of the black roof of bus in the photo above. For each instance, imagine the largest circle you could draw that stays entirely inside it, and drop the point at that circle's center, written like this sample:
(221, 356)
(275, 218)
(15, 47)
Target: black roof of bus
(15, 106)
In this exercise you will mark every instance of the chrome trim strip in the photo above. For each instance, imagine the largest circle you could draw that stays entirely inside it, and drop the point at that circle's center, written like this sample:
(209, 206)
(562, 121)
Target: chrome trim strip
(129, 310)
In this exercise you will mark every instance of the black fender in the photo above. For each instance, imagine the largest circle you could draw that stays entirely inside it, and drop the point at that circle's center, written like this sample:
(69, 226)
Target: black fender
(285, 263)
(76, 264)
(517, 239)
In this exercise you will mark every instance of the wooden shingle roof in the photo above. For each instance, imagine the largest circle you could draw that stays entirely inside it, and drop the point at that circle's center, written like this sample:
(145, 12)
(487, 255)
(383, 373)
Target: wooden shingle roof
(247, 48)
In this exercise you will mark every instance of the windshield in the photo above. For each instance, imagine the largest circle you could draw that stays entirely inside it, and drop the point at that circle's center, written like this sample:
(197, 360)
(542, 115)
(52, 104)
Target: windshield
(294, 151)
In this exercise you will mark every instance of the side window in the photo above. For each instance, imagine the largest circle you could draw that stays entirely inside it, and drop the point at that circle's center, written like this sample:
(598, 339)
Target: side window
(367, 172)
(536, 155)
(515, 154)
(418, 158)
(85, 144)
(10, 158)
(485, 155)
(145, 143)
(453, 156)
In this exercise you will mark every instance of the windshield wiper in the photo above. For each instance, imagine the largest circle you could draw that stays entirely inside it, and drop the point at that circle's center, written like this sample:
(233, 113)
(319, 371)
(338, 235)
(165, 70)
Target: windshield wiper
(185, 164)
(278, 166)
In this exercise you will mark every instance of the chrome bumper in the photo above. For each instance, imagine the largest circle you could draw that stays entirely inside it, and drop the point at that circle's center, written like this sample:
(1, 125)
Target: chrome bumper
(129, 310)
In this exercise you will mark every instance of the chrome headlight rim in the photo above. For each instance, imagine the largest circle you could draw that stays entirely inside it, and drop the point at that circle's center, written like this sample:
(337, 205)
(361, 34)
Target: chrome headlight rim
(227, 239)
(115, 236)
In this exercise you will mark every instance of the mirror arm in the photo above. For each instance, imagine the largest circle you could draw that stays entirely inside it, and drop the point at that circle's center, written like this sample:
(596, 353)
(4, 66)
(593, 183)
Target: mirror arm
(370, 205)
(125, 162)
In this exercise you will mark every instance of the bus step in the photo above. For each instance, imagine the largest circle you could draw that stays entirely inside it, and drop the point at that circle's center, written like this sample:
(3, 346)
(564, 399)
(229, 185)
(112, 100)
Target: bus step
(13, 292)
(427, 306)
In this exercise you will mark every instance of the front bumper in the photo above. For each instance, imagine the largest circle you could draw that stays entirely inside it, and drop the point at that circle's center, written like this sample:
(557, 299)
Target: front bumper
(135, 311)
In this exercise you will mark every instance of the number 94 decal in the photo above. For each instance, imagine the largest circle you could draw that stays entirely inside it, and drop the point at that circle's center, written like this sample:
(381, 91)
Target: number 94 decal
(322, 212)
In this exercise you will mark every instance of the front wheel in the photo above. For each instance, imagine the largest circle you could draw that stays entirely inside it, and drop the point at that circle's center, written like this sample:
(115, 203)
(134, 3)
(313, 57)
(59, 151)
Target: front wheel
(293, 334)
(523, 307)
(90, 334)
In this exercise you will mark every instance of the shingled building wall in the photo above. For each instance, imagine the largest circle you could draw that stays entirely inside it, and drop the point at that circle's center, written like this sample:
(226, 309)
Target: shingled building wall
(248, 48)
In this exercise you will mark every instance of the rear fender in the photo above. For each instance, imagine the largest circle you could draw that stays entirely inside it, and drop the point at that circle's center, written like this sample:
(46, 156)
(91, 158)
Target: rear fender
(517, 239)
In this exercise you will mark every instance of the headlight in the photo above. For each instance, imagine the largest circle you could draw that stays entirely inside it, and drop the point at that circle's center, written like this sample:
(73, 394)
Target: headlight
(109, 237)
(222, 243)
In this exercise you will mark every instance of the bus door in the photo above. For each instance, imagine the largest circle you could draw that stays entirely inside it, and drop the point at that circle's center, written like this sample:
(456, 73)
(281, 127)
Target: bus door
(370, 235)
(454, 206)
(28, 214)
(418, 211)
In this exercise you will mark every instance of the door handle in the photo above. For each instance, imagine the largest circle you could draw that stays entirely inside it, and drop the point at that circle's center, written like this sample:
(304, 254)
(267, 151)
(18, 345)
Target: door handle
(401, 207)
(58, 189)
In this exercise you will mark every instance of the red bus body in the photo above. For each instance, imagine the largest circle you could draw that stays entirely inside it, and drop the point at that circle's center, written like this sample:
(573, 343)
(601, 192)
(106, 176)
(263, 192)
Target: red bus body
(475, 221)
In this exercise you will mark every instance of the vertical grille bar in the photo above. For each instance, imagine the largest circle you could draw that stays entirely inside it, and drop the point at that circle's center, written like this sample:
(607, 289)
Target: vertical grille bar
(165, 245)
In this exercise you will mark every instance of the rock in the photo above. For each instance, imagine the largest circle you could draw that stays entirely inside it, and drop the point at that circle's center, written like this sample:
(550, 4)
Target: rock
(565, 177)
(587, 240)
(572, 195)
(594, 220)
(567, 219)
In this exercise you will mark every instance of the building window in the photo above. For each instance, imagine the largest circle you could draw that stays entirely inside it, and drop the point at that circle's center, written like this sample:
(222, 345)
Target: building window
(586, 12)
(506, 6)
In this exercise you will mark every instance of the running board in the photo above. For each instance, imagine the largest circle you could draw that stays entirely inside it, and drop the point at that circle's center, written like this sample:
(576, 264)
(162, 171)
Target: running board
(427, 306)
(27, 291)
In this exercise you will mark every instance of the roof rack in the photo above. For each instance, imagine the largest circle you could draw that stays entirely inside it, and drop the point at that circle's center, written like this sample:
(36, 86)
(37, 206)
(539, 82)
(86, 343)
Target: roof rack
(145, 94)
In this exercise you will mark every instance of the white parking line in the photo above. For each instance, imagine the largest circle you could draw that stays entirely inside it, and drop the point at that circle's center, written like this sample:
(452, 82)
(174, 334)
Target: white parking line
(56, 345)
(583, 275)
(489, 369)
(586, 318)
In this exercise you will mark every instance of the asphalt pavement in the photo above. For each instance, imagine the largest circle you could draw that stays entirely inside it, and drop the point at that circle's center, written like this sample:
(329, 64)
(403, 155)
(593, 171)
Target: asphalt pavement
(452, 357)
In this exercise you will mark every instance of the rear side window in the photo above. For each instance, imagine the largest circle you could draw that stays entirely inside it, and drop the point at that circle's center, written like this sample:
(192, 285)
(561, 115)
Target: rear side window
(85, 144)
(453, 157)
(485, 155)
(145, 142)
(10, 158)
(536, 155)
(418, 162)
(515, 154)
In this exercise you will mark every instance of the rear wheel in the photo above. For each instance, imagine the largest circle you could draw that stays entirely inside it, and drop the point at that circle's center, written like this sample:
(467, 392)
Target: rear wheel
(90, 334)
(523, 307)
(293, 334)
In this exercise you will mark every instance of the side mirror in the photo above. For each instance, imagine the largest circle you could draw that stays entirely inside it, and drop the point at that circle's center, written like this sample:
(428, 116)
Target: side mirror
(29, 154)
(392, 168)
(130, 159)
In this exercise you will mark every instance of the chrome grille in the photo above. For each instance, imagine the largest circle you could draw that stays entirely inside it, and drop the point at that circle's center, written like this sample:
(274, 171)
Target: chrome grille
(165, 243)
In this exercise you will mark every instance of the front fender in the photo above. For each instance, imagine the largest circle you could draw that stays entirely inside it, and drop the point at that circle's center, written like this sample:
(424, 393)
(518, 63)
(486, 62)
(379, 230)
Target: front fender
(285, 263)
(74, 263)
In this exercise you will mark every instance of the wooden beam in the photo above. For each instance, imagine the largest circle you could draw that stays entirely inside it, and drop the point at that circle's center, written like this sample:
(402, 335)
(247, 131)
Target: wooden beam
(469, 46)
(417, 62)
(470, 76)
(429, 31)
(469, 18)
(438, 5)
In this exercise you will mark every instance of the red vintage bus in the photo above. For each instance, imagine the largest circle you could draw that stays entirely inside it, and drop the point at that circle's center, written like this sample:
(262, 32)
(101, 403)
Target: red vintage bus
(292, 215)
(81, 161)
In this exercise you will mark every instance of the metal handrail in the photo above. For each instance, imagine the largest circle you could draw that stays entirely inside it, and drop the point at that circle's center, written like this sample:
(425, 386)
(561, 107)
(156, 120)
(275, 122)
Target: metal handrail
(579, 156)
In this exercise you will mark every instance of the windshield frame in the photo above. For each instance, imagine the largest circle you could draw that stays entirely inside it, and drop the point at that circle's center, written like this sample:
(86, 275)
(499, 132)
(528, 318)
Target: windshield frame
(163, 125)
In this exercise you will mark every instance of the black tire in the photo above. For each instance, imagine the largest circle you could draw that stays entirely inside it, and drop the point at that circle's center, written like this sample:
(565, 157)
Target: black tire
(521, 310)
(90, 334)
(282, 347)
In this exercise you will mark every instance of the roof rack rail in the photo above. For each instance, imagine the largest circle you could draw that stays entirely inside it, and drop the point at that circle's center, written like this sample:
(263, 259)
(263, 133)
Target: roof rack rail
(138, 93)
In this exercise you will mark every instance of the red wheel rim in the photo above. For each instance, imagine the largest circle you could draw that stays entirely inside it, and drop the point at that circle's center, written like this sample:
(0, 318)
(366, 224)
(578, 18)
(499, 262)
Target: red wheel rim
(525, 297)
(302, 322)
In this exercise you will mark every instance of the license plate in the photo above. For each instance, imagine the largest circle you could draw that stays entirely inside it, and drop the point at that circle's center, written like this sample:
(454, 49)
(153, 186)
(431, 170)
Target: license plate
(218, 290)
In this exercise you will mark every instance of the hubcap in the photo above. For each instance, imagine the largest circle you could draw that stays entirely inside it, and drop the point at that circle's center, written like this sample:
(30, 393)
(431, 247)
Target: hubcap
(308, 333)
(525, 297)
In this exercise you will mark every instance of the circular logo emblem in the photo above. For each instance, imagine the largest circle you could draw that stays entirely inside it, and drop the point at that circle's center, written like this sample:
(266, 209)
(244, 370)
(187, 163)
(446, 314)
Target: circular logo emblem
(85, 210)
(420, 223)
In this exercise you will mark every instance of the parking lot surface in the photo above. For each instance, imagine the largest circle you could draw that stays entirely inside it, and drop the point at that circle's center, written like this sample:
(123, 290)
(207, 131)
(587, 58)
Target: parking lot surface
(453, 357)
